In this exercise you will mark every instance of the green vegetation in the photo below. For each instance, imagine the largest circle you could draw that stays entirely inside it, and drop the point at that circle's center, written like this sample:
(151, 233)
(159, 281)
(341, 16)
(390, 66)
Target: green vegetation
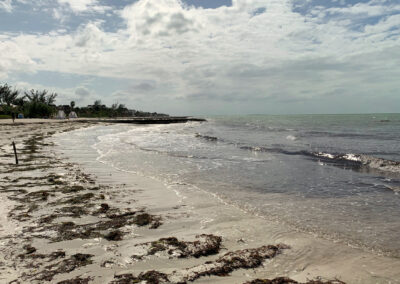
(41, 104)
(7, 95)
(34, 104)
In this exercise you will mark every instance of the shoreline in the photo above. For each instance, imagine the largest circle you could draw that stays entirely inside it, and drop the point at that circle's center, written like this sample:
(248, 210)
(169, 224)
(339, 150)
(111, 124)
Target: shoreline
(82, 191)
(119, 120)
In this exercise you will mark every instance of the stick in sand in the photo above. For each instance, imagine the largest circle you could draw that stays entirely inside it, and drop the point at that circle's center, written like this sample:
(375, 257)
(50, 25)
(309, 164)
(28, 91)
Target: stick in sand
(15, 153)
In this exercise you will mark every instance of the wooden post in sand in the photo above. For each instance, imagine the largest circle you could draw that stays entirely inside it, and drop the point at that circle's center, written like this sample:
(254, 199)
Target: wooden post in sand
(15, 153)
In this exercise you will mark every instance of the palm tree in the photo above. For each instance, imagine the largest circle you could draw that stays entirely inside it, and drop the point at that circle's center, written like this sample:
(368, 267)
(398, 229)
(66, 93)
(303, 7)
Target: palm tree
(41, 97)
(20, 101)
(7, 95)
(72, 104)
(51, 98)
(97, 105)
(33, 96)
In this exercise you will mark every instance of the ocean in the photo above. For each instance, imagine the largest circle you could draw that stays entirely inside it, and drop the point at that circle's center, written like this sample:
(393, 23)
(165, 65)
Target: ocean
(333, 176)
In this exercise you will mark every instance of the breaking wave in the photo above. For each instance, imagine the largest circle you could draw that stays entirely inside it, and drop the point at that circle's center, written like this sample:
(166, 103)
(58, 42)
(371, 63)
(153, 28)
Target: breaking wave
(366, 161)
(349, 159)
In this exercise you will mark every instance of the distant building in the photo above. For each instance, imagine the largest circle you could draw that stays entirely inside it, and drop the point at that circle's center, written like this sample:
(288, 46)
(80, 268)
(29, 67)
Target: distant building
(60, 114)
(72, 114)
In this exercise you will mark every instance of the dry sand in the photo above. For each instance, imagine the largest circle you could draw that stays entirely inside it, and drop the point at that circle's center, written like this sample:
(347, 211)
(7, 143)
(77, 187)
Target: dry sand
(67, 216)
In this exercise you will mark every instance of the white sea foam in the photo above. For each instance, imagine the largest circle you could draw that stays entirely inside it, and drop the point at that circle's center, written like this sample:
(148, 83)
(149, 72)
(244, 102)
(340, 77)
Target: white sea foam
(352, 157)
(291, 137)
(325, 155)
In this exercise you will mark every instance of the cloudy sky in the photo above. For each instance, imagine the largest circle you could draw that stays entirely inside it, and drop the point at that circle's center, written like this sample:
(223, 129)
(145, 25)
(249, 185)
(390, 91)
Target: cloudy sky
(207, 56)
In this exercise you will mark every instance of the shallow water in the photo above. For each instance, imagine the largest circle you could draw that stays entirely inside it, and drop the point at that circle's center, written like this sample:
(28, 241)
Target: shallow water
(337, 176)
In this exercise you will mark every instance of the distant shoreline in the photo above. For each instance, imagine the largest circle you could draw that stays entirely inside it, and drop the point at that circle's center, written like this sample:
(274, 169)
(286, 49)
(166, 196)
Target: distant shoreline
(127, 120)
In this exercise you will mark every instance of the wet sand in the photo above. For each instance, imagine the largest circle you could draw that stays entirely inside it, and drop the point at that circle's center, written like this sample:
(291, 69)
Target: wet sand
(66, 217)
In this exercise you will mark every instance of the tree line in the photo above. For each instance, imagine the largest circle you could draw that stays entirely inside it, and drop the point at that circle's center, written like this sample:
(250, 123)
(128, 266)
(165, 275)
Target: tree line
(41, 104)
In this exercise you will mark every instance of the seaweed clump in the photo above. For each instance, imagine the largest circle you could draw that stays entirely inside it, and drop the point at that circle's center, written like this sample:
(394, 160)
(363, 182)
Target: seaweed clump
(77, 280)
(115, 235)
(70, 230)
(240, 259)
(64, 266)
(73, 211)
(204, 245)
(223, 266)
(285, 280)
(83, 198)
(153, 277)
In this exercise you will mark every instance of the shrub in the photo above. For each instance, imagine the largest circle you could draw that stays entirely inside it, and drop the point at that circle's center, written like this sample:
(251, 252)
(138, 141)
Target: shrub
(37, 109)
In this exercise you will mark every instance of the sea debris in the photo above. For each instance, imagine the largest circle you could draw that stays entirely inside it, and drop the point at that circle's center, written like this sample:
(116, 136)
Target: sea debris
(35, 256)
(64, 266)
(204, 245)
(152, 276)
(80, 198)
(77, 280)
(223, 266)
(29, 249)
(105, 228)
(285, 280)
(115, 235)
(73, 211)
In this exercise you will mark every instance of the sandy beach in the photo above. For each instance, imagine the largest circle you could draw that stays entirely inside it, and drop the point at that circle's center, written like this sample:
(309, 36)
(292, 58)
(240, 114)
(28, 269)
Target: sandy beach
(67, 218)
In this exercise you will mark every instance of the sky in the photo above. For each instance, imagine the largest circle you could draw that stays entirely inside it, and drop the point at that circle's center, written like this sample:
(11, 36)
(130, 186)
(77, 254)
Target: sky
(201, 57)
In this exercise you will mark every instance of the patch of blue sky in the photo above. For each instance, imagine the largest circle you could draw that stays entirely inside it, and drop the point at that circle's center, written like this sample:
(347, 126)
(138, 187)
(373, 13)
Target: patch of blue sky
(208, 4)
(392, 33)
(31, 17)
(259, 11)
(305, 7)
(116, 4)
(111, 23)
(27, 18)
(360, 25)
(101, 85)
(358, 22)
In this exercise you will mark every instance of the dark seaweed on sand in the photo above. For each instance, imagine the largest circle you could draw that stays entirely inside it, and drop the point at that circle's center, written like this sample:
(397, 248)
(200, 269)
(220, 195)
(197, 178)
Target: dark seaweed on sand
(204, 245)
(285, 280)
(223, 266)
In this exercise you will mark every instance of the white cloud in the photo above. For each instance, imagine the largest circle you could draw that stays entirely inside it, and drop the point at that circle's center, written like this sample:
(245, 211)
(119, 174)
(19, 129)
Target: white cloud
(370, 9)
(225, 53)
(160, 18)
(60, 14)
(79, 6)
(6, 5)
(14, 59)
(385, 26)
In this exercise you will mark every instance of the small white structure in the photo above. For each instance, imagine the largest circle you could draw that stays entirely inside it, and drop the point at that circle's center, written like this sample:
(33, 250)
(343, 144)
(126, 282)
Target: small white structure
(72, 114)
(60, 114)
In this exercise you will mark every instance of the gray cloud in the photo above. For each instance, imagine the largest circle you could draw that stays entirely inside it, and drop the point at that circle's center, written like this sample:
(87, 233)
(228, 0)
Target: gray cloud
(144, 86)
(180, 24)
(164, 18)
(82, 92)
